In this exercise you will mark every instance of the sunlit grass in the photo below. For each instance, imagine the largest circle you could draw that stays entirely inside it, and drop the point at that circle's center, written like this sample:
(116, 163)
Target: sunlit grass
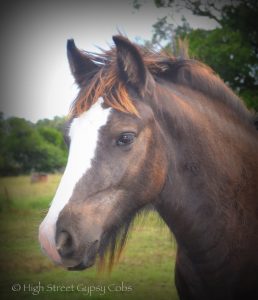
(146, 264)
(21, 193)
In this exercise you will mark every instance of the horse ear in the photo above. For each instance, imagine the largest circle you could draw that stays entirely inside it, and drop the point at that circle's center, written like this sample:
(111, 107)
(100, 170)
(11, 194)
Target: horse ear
(80, 64)
(130, 63)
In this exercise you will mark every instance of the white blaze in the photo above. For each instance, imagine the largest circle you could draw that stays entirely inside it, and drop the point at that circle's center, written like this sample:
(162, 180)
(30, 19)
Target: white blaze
(83, 133)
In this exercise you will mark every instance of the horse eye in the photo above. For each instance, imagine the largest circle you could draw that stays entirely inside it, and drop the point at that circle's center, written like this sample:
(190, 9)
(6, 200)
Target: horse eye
(125, 139)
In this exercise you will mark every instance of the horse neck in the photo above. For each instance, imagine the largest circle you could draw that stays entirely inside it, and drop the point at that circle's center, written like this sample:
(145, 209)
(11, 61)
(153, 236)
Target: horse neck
(213, 161)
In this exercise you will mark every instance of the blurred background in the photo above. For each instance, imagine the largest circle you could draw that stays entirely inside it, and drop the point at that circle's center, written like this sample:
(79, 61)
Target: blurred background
(37, 90)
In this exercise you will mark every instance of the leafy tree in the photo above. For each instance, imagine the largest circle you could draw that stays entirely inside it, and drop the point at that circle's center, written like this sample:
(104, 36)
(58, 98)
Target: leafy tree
(24, 147)
(51, 158)
(52, 136)
(57, 123)
(220, 49)
(231, 49)
(2, 141)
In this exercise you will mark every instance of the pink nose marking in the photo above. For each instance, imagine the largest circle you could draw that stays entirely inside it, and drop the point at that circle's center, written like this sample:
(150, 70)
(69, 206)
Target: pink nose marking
(46, 239)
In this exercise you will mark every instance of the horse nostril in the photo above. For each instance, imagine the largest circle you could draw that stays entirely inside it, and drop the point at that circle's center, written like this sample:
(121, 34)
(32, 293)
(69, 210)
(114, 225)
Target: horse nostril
(65, 244)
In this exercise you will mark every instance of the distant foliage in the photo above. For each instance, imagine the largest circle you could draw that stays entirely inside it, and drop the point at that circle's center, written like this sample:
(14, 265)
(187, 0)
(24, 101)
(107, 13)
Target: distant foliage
(231, 57)
(231, 49)
(26, 147)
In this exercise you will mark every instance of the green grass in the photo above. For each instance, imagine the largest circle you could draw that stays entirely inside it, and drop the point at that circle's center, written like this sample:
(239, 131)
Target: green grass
(145, 270)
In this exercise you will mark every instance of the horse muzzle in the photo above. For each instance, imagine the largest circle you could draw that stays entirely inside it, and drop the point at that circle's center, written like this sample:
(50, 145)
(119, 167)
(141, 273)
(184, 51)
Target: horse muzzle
(76, 255)
(69, 246)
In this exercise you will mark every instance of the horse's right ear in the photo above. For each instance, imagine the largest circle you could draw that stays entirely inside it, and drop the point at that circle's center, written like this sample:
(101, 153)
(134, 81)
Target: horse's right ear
(81, 65)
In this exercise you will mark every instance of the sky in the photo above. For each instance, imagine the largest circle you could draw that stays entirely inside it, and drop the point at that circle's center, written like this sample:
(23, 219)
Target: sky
(36, 82)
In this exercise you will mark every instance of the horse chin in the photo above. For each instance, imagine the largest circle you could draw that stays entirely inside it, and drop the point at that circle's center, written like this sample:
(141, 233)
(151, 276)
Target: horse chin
(82, 266)
(87, 261)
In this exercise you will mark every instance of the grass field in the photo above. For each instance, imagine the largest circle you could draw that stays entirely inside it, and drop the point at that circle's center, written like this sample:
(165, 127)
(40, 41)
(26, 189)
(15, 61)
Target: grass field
(145, 270)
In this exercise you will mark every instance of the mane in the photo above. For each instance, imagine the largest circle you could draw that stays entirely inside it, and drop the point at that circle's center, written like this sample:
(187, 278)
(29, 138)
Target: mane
(105, 81)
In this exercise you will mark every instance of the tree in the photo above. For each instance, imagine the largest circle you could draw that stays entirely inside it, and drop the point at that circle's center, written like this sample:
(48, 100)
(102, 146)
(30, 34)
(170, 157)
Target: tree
(24, 147)
(57, 123)
(231, 49)
(53, 136)
(221, 50)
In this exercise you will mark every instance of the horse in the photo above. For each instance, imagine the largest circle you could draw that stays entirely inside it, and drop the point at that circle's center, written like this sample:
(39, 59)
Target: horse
(148, 128)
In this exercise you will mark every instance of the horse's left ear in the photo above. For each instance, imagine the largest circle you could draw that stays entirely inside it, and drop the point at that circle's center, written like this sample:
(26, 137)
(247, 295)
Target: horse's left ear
(130, 63)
